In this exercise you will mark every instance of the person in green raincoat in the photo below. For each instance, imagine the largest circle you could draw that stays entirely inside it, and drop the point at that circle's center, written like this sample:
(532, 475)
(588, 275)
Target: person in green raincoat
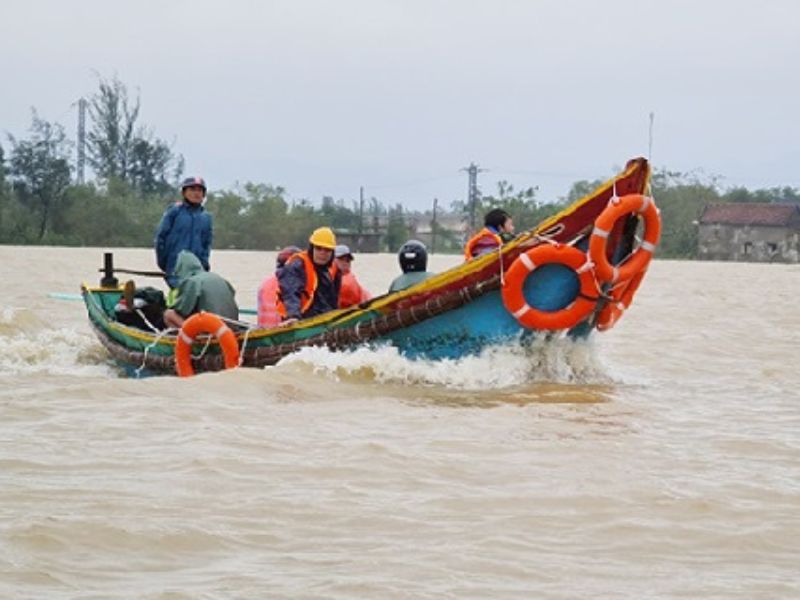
(199, 290)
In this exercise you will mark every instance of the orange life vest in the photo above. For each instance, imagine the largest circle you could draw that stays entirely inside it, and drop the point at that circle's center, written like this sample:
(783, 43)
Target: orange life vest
(351, 292)
(484, 234)
(268, 315)
(307, 295)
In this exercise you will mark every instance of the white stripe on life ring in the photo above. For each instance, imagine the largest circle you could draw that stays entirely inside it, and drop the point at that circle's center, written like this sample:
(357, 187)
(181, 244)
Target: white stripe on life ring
(525, 308)
(188, 340)
(600, 232)
(221, 331)
(648, 247)
(529, 264)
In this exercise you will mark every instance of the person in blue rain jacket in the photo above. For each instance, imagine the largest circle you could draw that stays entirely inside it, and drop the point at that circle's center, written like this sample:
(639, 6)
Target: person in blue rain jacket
(185, 226)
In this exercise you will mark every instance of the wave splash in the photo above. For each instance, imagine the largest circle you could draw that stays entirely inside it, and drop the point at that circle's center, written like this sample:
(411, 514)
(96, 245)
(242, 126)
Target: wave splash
(29, 346)
(552, 361)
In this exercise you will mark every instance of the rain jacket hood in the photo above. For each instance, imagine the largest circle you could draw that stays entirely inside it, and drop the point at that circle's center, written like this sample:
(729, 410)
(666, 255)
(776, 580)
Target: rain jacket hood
(186, 266)
(201, 290)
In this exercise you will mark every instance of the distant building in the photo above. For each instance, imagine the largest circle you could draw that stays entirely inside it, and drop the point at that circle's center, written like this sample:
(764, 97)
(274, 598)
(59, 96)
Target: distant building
(451, 232)
(750, 232)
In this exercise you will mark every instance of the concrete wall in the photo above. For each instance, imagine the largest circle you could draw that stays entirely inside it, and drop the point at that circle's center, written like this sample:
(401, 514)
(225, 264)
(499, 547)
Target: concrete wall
(748, 243)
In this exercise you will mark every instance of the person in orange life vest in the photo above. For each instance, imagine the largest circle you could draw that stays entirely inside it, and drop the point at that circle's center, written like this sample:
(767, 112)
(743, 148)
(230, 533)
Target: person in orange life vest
(309, 283)
(267, 300)
(351, 292)
(498, 229)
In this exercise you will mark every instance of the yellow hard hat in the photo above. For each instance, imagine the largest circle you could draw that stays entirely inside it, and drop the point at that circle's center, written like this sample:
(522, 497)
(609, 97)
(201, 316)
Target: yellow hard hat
(323, 238)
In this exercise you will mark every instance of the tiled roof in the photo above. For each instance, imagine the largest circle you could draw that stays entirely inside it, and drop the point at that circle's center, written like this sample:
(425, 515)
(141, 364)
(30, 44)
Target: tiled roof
(751, 213)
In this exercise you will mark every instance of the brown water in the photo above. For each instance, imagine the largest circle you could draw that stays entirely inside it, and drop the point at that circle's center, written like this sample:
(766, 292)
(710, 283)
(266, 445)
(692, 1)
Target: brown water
(659, 460)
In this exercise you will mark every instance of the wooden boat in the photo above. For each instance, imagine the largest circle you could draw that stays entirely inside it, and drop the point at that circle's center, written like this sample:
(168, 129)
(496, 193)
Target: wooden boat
(575, 272)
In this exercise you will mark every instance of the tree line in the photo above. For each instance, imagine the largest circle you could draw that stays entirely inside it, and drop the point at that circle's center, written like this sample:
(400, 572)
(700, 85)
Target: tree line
(136, 175)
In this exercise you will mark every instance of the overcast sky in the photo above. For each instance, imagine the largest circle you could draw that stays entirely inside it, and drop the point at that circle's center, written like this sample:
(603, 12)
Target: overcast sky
(322, 97)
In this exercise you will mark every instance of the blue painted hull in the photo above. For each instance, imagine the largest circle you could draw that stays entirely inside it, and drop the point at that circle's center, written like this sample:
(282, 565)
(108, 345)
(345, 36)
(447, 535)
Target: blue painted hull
(485, 322)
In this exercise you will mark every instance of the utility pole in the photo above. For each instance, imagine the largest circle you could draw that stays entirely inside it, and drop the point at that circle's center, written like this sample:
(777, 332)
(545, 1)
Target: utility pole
(650, 139)
(81, 140)
(472, 191)
(360, 210)
(433, 226)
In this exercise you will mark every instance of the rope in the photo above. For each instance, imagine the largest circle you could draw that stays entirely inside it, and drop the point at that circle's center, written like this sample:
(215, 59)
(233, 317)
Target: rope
(248, 328)
(205, 348)
(152, 344)
(502, 265)
(244, 343)
(147, 322)
(601, 296)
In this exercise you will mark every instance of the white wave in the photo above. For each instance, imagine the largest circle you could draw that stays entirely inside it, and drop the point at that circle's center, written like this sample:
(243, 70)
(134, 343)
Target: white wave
(31, 349)
(18, 320)
(497, 367)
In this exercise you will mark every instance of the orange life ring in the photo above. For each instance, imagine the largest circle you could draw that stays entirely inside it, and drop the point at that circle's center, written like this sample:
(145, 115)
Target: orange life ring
(525, 264)
(621, 298)
(636, 262)
(204, 322)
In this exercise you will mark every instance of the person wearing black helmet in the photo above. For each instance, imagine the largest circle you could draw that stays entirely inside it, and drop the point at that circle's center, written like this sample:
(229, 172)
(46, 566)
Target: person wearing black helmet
(185, 226)
(413, 258)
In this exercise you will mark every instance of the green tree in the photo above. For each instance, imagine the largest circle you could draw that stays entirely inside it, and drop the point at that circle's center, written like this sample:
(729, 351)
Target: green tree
(266, 215)
(775, 194)
(580, 189)
(397, 231)
(522, 205)
(228, 210)
(40, 170)
(120, 148)
(338, 216)
(681, 198)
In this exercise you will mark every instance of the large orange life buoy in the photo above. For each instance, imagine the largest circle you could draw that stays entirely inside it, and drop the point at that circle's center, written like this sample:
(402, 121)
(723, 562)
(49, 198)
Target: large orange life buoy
(621, 298)
(636, 262)
(525, 264)
(204, 322)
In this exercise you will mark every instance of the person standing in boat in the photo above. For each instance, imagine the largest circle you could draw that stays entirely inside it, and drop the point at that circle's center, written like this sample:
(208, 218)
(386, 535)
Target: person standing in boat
(309, 283)
(185, 226)
(413, 257)
(351, 292)
(498, 228)
(199, 290)
(267, 301)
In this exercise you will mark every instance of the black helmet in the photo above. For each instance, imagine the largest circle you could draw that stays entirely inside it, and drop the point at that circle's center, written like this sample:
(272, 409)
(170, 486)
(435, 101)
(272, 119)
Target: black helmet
(192, 181)
(413, 256)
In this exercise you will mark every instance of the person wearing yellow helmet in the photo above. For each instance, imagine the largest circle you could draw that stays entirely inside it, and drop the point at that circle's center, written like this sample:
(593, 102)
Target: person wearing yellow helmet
(309, 283)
